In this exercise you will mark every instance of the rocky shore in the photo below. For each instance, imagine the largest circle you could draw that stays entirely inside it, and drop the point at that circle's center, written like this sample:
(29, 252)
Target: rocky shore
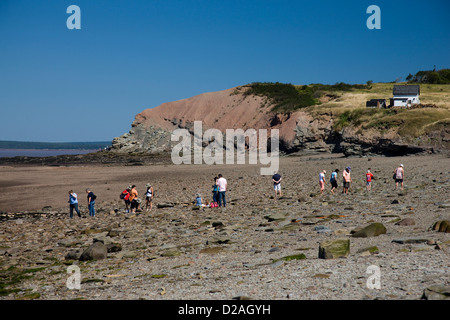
(384, 244)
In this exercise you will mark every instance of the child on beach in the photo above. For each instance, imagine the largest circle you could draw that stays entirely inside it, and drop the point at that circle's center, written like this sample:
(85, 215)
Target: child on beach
(369, 177)
(198, 201)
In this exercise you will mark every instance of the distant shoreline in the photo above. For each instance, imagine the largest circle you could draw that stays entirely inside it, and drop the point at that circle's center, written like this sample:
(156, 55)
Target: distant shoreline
(19, 145)
(11, 153)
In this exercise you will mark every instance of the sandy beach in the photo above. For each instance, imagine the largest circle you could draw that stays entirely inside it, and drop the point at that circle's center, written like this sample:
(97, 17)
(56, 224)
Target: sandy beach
(175, 252)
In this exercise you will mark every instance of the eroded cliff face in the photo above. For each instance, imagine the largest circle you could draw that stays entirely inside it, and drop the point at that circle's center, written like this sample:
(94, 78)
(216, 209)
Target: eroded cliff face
(231, 109)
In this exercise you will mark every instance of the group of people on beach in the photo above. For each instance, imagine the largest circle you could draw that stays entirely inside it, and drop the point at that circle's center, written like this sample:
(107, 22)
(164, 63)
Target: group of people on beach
(398, 176)
(219, 188)
(73, 203)
(132, 202)
(346, 179)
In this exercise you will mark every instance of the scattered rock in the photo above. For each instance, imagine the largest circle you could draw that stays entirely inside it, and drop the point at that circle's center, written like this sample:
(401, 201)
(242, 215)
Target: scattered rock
(436, 293)
(442, 226)
(275, 217)
(372, 230)
(406, 222)
(96, 251)
(334, 249)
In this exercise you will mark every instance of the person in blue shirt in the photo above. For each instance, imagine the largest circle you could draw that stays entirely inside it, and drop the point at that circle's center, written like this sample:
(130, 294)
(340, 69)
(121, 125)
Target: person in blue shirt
(73, 201)
(215, 190)
(198, 200)
(333, 180)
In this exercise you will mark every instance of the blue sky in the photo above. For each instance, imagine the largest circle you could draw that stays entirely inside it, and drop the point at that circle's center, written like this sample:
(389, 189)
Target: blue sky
(61, 85)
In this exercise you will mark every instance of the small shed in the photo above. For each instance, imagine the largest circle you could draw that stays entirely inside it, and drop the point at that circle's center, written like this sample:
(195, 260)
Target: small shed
(376, 103)
(405, 95)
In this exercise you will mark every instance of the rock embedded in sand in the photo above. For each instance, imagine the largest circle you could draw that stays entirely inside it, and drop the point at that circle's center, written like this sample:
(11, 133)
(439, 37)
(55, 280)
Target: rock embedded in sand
(96, 251)
(372, 230)
(436, 293)
(334, 249)
(406, 222)
(442, 226)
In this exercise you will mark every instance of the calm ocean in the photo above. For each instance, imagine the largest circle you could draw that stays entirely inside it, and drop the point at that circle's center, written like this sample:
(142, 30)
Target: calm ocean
(40, 152)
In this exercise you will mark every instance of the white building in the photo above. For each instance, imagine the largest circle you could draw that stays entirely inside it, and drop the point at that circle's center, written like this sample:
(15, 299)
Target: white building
(405, 95)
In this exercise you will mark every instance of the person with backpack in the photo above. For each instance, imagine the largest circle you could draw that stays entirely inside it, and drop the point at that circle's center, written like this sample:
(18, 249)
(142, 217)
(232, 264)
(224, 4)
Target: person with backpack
(125, 196)
(148, 197)
(91, 202)
(333, 180)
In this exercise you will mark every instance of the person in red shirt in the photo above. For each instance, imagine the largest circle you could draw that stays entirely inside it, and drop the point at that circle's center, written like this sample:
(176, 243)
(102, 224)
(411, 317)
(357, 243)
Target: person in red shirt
(369, 177)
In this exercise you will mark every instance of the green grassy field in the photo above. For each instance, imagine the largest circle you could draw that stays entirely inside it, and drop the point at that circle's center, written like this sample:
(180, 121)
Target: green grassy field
(349, 108)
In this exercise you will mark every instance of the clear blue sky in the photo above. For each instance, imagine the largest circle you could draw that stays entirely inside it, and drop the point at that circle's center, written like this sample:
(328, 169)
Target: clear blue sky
(61, 85)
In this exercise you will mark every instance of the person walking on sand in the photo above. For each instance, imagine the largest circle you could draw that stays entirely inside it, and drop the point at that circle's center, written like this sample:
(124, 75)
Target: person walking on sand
(276, 179)
(125, 196)
(91, 202)
(347, 180)
(222, 184)
(148, 197)
(333, 180)
(133, 199)
(369, 177)
(399, 176)
(322, 181)
(73, 201)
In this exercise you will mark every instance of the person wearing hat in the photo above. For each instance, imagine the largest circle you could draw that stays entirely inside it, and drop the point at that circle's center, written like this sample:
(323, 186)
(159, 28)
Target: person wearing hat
(347, 180)
(148, 197)
(322, 181)
(399, 174)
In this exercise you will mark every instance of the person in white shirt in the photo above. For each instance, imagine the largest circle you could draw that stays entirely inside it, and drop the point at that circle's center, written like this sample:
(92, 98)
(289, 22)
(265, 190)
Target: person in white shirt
(222, 184)
(322, 181)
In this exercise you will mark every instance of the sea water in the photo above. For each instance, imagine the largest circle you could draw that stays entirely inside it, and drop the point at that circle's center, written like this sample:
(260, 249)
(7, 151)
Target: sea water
(41, 152)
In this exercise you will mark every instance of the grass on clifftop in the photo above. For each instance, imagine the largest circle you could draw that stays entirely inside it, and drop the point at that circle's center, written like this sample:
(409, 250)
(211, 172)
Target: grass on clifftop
(346, 103)
(409, 123)
(288, 98)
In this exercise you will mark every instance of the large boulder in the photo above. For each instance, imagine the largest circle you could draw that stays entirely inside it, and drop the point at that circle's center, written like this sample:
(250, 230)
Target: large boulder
(334, 249)
(96, 251)
(372, 230)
